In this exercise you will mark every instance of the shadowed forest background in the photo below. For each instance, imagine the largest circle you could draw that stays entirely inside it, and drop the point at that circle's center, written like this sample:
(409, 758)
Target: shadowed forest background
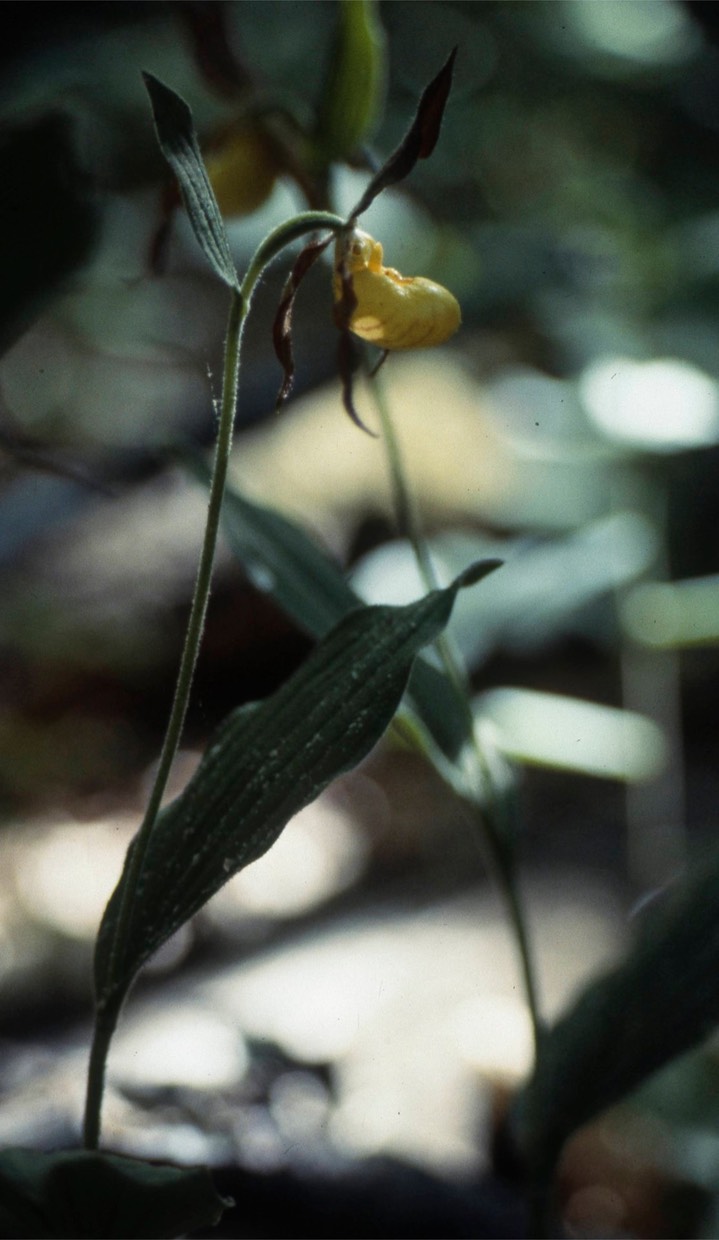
(341, 1030)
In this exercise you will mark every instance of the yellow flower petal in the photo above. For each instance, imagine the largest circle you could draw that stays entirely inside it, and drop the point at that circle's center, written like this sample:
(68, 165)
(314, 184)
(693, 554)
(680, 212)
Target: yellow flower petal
(393, 311)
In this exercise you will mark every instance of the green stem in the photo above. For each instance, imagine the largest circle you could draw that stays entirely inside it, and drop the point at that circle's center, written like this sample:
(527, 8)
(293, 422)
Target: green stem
(104, 1026)
(105, 1023)
(107, 1014)
(284, 234)
(519, 923)
(201, 594)
(490, 818)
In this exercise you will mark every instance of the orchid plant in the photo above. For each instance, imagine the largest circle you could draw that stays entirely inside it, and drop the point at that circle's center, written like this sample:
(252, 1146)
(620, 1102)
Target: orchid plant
(366, 674)
(267, 760)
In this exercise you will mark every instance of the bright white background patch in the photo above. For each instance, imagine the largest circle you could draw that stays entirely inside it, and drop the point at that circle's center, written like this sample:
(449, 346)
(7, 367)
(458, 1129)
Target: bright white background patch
(660, 406)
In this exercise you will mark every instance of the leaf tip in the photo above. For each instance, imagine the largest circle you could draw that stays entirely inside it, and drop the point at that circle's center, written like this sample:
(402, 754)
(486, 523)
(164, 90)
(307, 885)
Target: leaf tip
(156, 89)
(477, 571)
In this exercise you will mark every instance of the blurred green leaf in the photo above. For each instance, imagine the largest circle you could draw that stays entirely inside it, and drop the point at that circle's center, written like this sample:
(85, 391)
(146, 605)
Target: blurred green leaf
(282, 561)
(552, 729)
(265, 763)
(657, 1004)
(685, 1094)
(178, 143)
(354, 84)
(82, 1193)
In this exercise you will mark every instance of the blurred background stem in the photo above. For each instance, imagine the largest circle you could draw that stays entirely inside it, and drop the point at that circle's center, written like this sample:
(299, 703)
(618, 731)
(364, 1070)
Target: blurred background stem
(481, 793)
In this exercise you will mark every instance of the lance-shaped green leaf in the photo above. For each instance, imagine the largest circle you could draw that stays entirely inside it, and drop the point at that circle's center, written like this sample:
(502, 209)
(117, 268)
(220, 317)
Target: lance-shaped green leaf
(178, 143)
(85, 1194)
(266, 762)
(657, 1004)
(282, 560)
(354, 84)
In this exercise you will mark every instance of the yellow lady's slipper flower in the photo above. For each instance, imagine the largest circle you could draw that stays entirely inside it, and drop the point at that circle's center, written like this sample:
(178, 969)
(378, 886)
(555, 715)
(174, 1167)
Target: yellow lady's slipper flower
(393, 311)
